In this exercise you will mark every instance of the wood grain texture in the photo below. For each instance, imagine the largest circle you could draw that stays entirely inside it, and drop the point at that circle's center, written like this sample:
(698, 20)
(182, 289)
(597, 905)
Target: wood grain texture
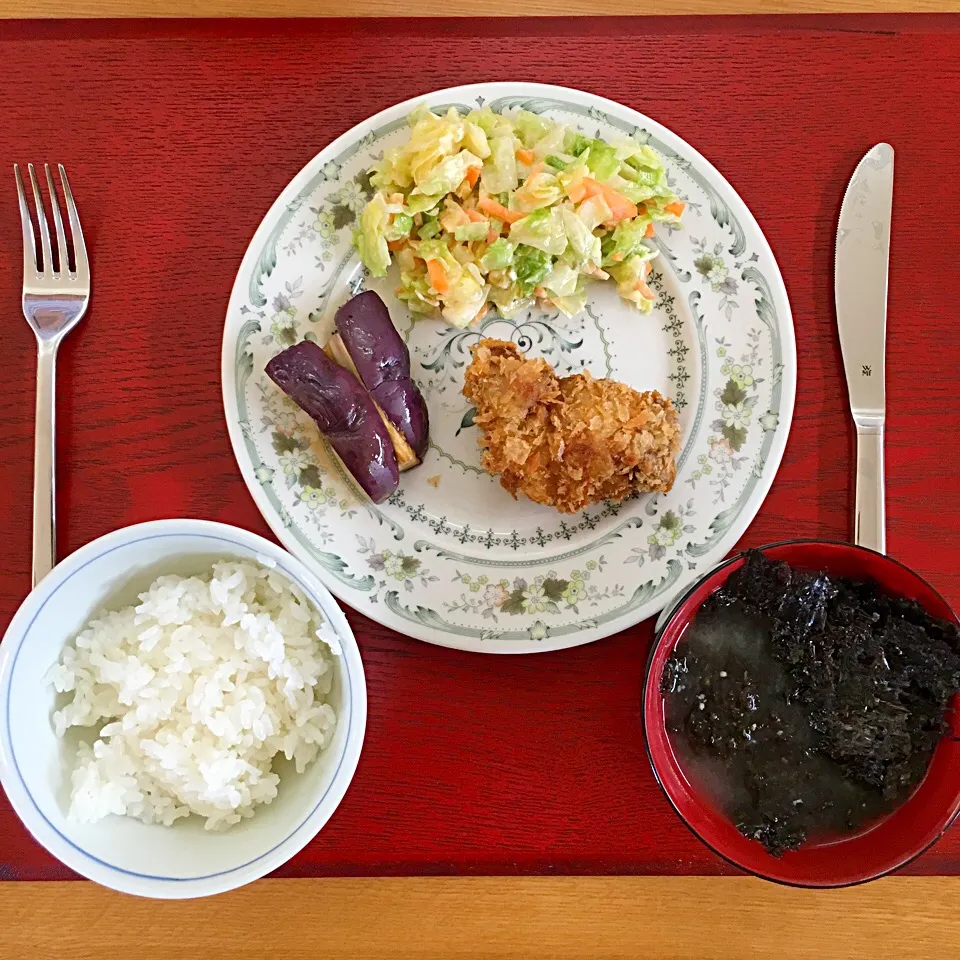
(689, 918)
(178, 137)
(440, 8)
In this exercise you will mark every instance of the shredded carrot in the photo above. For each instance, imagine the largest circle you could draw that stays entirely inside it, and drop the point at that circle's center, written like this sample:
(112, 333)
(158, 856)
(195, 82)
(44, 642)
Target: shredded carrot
(438, 276)
(396, 198)
(492, 235)
(539, 292)
(534, 170)
(577, 191)
(646, 270)
(472, 176)
(498, 210)
(396, 245)
(620, 206)
(676, 208)
(476, 216)
(617, 257)
(526, 156)
(645, 291)
(649, 231)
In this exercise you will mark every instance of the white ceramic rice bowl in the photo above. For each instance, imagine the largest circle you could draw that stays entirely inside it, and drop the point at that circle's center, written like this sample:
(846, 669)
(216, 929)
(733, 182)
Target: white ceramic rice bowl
(119, 852)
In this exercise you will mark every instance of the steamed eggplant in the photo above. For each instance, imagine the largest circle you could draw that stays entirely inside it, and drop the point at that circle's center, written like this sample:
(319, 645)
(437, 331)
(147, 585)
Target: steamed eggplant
(406, 458)
(344, 413)
(382, 361)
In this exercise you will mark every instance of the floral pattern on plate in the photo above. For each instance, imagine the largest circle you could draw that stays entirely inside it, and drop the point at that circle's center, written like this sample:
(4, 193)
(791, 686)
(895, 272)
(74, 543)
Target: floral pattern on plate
(451, 558)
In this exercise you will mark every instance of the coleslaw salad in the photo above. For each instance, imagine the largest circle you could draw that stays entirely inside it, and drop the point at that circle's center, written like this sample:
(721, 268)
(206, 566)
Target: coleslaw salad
(504, 211)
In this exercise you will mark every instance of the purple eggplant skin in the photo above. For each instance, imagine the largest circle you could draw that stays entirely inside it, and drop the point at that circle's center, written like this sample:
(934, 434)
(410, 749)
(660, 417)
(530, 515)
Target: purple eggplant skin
(383, 362)
(343, 412)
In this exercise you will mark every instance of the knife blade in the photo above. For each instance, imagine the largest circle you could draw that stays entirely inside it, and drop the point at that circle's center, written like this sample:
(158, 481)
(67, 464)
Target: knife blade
(860, 290)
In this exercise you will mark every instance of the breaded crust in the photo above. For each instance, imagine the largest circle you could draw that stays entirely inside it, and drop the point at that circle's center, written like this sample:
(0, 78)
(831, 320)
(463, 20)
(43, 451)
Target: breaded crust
(572, 441)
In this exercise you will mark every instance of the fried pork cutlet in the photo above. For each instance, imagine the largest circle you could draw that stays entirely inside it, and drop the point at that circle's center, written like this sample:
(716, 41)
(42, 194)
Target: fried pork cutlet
(571, 441)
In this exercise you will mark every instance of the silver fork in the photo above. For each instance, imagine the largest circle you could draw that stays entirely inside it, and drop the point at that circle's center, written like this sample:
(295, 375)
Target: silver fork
(55, 297)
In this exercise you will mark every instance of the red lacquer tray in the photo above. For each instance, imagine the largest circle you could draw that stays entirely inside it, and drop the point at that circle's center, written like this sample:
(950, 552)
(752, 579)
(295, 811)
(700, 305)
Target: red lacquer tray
(179, 136)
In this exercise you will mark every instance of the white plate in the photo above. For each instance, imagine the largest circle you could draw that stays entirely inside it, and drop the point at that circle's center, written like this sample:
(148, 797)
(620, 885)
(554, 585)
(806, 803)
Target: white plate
(463, 564)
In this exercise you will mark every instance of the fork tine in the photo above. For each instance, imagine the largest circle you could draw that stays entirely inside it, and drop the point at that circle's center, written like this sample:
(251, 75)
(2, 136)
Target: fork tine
(42, 221)
(79, 247)
(58, 223)
(29, 243)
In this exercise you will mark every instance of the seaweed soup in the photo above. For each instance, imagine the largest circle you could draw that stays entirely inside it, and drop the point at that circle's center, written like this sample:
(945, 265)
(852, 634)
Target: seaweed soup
(807, 706)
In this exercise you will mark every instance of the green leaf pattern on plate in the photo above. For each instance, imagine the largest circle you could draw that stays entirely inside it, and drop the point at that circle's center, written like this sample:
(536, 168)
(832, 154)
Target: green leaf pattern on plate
(471, 581)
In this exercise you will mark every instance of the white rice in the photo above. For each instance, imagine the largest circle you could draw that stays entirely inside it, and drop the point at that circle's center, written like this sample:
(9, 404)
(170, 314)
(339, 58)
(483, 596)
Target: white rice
(202, 684)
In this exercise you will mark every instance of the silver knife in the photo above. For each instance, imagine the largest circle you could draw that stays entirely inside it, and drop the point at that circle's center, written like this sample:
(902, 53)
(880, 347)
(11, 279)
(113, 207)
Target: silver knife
(860, 288)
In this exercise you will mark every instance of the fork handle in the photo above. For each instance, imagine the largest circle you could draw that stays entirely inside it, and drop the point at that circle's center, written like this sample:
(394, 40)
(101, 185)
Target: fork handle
(44, 466)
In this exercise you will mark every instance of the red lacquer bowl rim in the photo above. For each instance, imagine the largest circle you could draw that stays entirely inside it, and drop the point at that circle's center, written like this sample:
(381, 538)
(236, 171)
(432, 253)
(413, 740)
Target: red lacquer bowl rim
(666, 638)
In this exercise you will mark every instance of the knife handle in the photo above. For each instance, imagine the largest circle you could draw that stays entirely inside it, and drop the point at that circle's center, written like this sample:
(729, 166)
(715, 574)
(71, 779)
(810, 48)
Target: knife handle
(870, 524)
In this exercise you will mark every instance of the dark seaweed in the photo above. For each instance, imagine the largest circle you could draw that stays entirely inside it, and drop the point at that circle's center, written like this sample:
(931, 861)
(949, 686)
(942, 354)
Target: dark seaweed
(821, 698)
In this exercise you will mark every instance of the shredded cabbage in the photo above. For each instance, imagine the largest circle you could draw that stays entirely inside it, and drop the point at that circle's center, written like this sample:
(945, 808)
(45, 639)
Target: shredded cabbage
(542, 229)
(516, 209)
(471, 231)
(447, 175)
(580, 237)
(627, 240)
(531, 266)
(602, 160)
(499, 172)
(540, 189)
(571, 305)
(562, 280)
(370, 237)
(530, 127)
(631, 282)
(499, 255)
(466, 296)
(399, 227)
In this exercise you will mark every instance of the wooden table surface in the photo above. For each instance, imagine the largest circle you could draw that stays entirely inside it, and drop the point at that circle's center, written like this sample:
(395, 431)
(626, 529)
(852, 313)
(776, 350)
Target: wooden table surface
(177, 138)
(441, 8)
(635, 918)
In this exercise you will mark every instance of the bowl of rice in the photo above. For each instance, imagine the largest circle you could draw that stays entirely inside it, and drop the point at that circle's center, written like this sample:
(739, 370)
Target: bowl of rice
(182, 707)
